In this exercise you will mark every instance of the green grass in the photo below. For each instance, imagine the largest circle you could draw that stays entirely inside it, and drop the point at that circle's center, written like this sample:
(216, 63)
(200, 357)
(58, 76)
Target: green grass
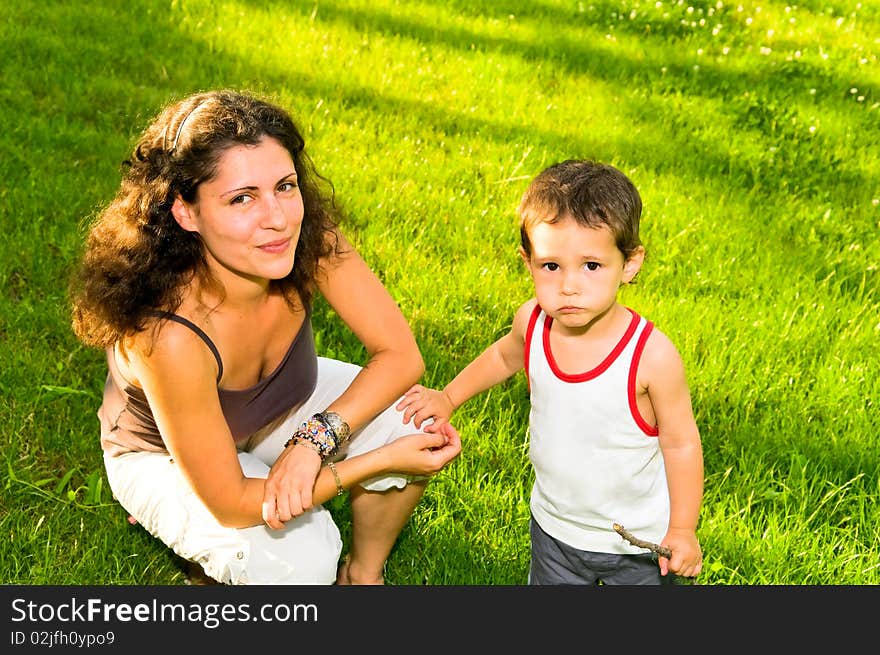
(751, 129)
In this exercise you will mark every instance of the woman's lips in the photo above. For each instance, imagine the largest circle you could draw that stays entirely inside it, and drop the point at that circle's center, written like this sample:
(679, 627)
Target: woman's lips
(275, 247)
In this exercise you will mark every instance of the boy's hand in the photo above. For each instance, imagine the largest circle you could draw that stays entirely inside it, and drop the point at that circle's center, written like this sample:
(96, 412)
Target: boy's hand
(421, 403)
(687, 559)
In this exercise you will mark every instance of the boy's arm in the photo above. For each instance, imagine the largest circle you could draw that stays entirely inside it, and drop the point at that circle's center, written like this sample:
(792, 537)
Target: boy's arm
(495, 364)
(666, 383)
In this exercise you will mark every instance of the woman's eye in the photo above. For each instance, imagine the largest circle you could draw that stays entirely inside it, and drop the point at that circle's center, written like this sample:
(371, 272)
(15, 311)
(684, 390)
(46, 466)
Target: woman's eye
(240, 200)
(592, 266)
(287, 186)
(551, 266)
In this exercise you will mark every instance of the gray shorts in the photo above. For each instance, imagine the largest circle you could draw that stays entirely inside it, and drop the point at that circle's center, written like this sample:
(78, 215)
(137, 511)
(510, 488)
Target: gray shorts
(556, 563)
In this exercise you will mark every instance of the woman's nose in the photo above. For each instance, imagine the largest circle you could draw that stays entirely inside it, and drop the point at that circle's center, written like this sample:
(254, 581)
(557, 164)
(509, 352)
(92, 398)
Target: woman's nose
(274, 214)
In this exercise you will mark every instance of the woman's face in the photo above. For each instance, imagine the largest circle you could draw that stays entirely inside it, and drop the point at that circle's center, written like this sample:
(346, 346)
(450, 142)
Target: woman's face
(250, 215)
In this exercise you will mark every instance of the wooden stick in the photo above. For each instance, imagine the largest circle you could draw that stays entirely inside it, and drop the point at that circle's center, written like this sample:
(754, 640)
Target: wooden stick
(662, 551)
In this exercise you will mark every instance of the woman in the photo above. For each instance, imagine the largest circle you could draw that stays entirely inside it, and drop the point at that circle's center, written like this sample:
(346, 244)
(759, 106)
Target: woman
(222, 430)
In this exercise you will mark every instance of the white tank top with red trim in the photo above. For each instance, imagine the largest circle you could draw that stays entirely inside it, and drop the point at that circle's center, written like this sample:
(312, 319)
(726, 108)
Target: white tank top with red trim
(596, 461)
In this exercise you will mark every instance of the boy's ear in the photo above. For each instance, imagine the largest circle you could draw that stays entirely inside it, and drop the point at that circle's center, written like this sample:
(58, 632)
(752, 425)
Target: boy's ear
(183, 214)
(523, 255)
(633, 264)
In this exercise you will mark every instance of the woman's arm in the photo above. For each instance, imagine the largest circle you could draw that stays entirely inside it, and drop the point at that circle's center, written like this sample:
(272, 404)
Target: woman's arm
(356, 294)
(366, 307)
(178, 375)
(415, 454)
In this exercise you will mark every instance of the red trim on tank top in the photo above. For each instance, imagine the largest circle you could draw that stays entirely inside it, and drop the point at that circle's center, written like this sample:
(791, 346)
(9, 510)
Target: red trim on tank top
(596, 372)
(530, 330)
(650, 430)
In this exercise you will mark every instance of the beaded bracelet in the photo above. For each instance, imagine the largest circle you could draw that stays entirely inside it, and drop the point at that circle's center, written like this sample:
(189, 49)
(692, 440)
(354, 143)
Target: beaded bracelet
(297, 439)
(317, 436)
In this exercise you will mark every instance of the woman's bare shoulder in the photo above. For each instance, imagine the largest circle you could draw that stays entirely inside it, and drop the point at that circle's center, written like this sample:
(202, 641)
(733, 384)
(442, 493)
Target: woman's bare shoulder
(164, 347)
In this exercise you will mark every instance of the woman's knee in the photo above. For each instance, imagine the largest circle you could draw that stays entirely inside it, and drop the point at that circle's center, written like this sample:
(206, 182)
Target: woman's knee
(306, 552)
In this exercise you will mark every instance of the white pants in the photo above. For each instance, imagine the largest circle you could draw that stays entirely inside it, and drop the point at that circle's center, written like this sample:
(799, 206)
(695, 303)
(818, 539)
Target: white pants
(306, 551)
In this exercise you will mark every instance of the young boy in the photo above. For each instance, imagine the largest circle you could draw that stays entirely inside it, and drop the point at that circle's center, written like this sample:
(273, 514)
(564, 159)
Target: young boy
(612, 432)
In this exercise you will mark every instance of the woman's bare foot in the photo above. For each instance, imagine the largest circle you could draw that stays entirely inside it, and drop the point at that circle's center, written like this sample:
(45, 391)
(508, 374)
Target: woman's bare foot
(345, 576)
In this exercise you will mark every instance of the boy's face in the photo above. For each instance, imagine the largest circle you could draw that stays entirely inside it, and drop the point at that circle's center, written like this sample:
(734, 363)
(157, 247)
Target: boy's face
(577, 270)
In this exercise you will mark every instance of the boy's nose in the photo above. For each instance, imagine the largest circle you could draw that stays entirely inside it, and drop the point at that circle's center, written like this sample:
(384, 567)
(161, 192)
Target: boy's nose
(569, 284)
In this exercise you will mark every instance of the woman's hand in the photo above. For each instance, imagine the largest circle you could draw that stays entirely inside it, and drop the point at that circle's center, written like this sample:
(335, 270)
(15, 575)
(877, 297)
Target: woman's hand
(289, 486)
(421, 403)
(424, 454)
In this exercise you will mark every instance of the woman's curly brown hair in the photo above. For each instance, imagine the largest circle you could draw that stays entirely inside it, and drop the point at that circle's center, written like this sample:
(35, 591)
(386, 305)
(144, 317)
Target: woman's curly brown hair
(138, 259)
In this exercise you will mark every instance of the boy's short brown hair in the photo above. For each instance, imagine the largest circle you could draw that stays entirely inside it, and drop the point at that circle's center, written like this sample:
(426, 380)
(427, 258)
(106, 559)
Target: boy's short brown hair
(593, 194)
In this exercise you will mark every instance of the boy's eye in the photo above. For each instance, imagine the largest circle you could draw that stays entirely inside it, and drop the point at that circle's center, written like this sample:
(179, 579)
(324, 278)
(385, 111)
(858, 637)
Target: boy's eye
(592, 266)
(550, 266)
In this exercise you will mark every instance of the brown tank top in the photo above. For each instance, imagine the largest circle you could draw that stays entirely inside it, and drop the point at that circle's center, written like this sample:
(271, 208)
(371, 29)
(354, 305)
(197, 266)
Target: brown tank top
(127, 422)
